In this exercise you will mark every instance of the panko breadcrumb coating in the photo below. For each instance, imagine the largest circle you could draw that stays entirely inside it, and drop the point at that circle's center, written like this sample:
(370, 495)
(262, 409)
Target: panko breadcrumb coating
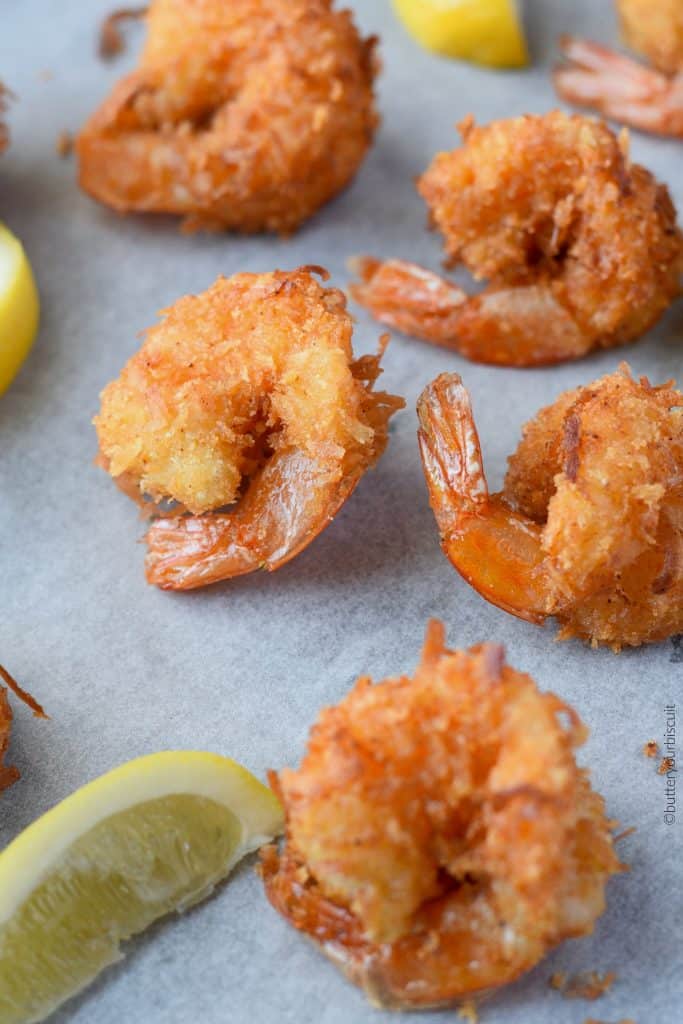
(580, 246)
(252, 383)
(247, 115)
(589, 524)
(440, 836)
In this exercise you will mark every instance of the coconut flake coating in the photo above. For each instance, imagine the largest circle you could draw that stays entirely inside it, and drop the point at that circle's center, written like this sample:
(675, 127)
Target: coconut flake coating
(440, 836)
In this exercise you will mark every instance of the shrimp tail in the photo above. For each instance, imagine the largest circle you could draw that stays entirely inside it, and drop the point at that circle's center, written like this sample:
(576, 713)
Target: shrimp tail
(450, 450)
(409, 298)
(516, 326)
(497, 551)
(621, 88)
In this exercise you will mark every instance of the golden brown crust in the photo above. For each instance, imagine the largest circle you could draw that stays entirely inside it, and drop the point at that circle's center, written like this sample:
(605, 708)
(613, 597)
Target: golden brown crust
(440, 837)
(654, 30)
(245, 116)
(615, 552)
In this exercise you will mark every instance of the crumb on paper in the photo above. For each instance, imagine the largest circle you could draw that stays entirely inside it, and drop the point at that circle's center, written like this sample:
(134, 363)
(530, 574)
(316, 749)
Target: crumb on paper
(666, 764)
(46, 75)
(64, 144)
(624, 1020)
(111, 41)
(651, 748)
(584, 985)
(468, 1012)
(625, 834)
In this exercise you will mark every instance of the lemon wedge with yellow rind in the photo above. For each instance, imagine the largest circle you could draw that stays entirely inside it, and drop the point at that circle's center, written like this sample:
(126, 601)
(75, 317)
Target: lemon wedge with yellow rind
(150, 837)
(19, 307)
(485, 32)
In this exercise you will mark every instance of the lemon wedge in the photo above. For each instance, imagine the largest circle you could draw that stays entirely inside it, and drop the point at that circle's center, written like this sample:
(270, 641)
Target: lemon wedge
(19, 307)
(152, 836)
(485, 32)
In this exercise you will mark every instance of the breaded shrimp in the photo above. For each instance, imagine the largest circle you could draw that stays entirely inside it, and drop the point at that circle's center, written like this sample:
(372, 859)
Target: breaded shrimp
(247, 115)
(580, 247)
(440, 836)
(651, 100)
(9, 774)
(589, 524)
(245, 394)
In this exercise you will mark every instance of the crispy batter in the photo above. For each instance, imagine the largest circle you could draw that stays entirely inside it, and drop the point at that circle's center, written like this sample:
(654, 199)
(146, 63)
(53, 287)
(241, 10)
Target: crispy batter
(440, 836)
(666, 764)
(589, 525)
(651, 748)
(250, 383)
(580, 247)
(247, 115)
(654, 30)
(584, 985)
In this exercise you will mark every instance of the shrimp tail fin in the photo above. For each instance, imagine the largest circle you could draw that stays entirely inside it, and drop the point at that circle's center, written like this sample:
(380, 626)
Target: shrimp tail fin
(409, 298)
(450, 450)
(620, 88)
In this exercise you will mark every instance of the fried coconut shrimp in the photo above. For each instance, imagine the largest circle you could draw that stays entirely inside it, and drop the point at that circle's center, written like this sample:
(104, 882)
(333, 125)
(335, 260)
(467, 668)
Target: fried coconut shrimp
(440, 836)
(247, 394)
(580, 247)
(589, 524)
(246, 115)
(651, 100)
(8, 774)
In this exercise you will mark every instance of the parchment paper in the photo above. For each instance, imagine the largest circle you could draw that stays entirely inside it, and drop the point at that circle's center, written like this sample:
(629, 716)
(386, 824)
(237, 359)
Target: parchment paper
(243, 668)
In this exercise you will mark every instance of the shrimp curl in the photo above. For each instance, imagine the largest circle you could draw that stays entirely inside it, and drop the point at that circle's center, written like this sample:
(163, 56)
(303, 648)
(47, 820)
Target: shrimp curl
(246, 116)
(246, 395)
(580, 247)
(589, 524)
(440, 836)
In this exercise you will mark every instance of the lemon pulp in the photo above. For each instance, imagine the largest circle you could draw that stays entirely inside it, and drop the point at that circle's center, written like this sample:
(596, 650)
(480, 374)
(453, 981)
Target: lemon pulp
(19, 307)
(118, 876)
(485, 32)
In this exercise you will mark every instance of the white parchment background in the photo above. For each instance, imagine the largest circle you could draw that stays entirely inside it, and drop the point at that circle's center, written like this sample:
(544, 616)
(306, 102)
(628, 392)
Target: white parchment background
(243, 668)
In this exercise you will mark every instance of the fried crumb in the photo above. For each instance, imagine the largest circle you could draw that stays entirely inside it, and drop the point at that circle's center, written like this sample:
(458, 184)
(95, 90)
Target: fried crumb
(584, 985)
(624, 1020)
(666, 764)
(64, 144)
(651, 748)
(468, 1012)
(111, 42)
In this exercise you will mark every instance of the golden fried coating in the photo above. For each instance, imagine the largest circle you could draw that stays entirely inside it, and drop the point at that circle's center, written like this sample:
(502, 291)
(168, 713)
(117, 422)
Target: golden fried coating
(246, 115)
(589, 525)
(440, 836)
(580, 247)
(654, 30)
(251, 382)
